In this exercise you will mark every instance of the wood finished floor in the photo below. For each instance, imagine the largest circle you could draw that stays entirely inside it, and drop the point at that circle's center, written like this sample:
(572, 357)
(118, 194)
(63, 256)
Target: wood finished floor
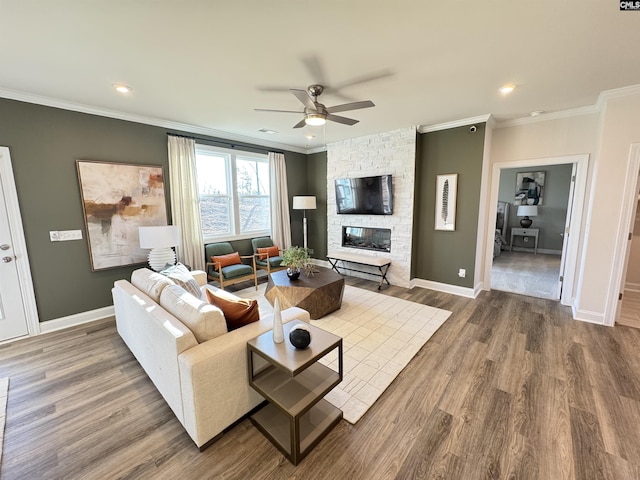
(508, 388)
(630, 310)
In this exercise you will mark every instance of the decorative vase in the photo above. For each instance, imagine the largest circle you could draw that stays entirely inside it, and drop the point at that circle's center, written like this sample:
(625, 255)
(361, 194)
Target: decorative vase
(300, 336)
(293, 273)
(278, 332)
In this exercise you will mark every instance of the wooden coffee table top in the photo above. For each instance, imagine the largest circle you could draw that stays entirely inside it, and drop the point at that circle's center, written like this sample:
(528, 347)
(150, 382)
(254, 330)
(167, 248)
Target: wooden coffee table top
(319, 294)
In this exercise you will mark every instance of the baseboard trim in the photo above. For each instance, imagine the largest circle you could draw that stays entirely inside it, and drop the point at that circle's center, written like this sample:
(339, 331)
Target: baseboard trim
(634, 287)
(545, 251)
(445, 287)
(77, 319)
(587, 316)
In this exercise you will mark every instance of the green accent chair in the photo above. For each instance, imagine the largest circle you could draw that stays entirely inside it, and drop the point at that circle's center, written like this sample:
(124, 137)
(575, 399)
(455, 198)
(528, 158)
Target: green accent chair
(229, 274)
(270, 264)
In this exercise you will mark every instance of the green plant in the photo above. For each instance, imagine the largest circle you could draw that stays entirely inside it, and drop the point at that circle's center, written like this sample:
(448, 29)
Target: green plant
(296, 258)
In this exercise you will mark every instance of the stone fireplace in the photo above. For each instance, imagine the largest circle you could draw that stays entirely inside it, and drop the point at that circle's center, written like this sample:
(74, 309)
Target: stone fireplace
(367, 238)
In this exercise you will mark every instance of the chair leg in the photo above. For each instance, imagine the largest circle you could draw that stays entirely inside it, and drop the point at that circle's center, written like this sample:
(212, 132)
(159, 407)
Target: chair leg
(255, 278)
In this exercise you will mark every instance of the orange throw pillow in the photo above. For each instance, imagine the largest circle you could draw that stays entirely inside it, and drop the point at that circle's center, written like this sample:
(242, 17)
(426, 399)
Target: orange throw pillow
(270, 251)
(237, 312)
(226, 260)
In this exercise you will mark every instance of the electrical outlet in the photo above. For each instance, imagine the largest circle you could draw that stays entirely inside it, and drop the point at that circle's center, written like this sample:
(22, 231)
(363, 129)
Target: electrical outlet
(462, 273)
(526, 239)
(54, 236)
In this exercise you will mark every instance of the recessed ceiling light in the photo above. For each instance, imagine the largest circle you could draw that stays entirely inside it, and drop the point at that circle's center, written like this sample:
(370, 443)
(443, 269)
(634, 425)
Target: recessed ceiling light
(535, 113)
(122, 88)
(267, 131)
(309, 136)
(505, 89)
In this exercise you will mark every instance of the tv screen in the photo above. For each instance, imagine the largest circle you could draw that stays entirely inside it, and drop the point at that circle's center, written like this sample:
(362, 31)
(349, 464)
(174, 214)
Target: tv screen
(365, 195)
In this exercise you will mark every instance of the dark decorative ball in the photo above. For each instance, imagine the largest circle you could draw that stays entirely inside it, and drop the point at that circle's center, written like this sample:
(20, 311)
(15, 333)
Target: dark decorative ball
(293, 274)
(300, 336)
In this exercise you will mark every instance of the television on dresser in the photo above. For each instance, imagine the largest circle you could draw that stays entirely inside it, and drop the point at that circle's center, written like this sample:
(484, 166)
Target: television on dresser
(365, 195)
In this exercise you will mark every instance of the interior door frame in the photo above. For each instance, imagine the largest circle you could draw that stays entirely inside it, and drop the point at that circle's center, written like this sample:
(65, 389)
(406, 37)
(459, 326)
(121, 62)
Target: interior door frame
(620, 256)
(19, 244)
(577, 208)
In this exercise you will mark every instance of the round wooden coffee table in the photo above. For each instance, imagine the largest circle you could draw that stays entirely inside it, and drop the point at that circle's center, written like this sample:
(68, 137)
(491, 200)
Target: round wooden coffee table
(319, 294)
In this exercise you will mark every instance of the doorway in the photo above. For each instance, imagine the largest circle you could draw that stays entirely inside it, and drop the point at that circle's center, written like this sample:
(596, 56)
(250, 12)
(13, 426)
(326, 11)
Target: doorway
(571, 235)
(532, 234)
(18, 314)
(628, 311)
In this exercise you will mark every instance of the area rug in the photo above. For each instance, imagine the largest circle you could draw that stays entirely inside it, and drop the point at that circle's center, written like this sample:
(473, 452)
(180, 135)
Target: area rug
(4, 390)
(381, 334)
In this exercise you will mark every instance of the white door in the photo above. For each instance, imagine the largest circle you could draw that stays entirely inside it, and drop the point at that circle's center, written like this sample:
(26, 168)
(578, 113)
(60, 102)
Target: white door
(566, 233)
(13, 313)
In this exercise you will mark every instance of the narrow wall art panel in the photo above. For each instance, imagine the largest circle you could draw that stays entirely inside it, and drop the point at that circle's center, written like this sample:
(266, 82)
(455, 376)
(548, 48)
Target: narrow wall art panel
(446, 194)
(117, 199)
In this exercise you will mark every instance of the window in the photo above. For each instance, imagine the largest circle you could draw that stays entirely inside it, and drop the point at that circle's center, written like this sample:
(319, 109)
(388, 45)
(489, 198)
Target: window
(234, 193)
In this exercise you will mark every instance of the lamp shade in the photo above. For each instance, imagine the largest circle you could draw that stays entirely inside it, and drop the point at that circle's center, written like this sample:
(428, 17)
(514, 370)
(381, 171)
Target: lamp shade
(159, 236)
(527, 211)
(304, 203)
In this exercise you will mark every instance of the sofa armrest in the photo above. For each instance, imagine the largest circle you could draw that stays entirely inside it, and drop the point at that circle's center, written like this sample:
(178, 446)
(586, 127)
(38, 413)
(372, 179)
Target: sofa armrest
(199, 276)
(213, 377)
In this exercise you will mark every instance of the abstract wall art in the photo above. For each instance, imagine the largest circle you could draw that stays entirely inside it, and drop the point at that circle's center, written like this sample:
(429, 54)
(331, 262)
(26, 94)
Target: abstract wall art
(117, 198)
(529, 188)
(446, 195)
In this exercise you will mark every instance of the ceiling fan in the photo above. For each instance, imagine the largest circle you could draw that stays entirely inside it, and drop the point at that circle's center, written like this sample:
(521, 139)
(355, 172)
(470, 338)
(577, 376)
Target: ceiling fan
(315, 113)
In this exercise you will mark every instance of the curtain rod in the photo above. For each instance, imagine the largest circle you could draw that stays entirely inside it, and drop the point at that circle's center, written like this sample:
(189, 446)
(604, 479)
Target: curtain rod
(228, 144)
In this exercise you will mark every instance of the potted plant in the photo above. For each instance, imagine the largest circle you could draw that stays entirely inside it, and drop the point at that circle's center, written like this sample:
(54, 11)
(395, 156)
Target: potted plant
(297, 259)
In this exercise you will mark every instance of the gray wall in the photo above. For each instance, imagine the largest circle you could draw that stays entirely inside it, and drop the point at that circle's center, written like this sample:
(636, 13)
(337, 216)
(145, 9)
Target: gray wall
(317, 220)
(551, 214)
(437, 255)
(45, 143)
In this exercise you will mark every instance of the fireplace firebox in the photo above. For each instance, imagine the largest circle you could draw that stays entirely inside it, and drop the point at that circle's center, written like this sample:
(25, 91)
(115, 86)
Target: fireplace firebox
(367, 238)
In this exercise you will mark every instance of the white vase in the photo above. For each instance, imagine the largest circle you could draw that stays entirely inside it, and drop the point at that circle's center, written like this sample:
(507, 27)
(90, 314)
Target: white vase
(278, 332)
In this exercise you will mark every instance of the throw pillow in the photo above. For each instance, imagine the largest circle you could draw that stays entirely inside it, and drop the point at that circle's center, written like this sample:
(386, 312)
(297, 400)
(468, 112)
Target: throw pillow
(226, 260)
(270, 251)
(181, 276)
(237, 311)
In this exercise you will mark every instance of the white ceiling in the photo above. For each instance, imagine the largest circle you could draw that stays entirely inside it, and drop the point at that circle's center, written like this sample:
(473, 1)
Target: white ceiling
(208, 64)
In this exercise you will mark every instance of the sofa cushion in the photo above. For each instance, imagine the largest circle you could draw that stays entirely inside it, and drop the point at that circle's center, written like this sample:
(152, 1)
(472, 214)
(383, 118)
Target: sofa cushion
(268, 251)
(182, 276)
(204, 320)
(238, 312)
(225, 260)
(150, 282)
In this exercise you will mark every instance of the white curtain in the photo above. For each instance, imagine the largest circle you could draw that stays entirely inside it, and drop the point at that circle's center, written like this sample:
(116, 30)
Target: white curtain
(280, 220)
(185, 203)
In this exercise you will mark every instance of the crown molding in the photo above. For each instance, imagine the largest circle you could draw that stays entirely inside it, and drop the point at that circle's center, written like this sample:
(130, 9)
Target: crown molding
(617, 93)
(156, 122)
(543, 117)
(456, 123)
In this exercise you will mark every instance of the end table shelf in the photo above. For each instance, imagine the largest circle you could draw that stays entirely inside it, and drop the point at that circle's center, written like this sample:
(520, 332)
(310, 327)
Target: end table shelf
(293, 382)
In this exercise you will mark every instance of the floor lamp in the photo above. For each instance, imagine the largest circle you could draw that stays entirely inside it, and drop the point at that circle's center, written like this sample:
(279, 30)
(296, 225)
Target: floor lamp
(304, 203)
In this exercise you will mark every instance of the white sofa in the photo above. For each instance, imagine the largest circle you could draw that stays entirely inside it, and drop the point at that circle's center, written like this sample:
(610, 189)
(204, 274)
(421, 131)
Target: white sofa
(205, 384)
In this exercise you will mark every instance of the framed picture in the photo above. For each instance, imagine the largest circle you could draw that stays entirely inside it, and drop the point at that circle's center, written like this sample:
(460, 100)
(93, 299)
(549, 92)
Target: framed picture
(446, 194)
(529, 188)
(117, 198)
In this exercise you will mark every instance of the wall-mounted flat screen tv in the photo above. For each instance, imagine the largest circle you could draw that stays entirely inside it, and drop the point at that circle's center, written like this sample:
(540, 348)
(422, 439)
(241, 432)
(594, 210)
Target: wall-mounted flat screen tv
(365, 195)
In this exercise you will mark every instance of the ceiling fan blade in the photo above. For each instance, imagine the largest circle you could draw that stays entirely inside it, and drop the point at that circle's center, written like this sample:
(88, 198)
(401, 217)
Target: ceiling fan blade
(281, 111)
(351, 106)
(300, 124)
(304, 97)
(343, 120)
(363, 79)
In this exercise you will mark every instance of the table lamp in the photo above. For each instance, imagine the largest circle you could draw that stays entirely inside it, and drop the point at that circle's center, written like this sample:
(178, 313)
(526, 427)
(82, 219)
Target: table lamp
(304, 203)
(527, 211)
(160, 239)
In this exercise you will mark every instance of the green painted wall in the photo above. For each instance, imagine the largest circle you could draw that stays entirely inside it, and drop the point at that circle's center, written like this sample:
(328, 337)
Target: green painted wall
(553, 211)
(437, 255)
(317, 220)
(45, 143)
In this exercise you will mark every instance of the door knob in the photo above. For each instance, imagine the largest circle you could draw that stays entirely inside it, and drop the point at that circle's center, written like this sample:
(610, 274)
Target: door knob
(6, 259)
(5, 247)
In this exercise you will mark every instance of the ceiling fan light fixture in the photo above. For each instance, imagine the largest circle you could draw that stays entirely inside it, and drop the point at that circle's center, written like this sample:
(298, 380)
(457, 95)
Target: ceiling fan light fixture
(315, 119)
